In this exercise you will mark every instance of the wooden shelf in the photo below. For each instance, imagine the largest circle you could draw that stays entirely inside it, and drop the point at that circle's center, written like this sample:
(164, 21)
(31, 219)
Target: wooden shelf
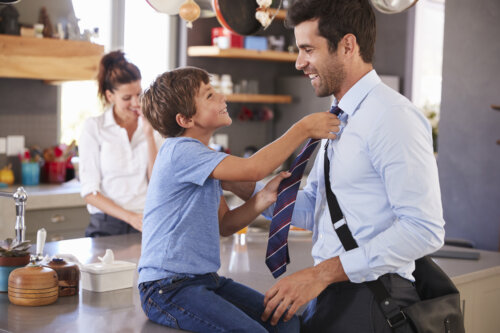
(256, 98)
(281, 14)
(48, 59)
(239, 53)
(495, 107)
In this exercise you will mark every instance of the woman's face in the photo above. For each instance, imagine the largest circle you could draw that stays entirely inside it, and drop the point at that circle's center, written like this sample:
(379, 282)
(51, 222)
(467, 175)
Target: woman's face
(125, 100)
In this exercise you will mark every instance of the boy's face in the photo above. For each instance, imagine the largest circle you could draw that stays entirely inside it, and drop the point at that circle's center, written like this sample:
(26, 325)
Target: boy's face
(211, 109)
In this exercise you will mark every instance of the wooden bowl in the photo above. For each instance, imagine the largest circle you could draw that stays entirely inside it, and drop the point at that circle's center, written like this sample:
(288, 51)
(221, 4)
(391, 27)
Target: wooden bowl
(33, 285)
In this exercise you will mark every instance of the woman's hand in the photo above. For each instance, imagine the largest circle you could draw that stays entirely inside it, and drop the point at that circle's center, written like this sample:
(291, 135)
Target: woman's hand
(146, 126)
(135, 220)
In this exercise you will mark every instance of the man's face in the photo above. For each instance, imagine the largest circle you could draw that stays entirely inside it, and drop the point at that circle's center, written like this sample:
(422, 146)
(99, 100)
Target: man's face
(324, 68)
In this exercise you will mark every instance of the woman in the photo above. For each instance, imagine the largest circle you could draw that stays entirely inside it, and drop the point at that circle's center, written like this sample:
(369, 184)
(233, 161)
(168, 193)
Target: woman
(117, 152)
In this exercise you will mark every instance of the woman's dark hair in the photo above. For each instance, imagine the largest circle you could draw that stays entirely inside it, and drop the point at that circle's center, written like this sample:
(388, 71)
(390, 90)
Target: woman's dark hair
(336, 19)
(115, 70)
(172, 93)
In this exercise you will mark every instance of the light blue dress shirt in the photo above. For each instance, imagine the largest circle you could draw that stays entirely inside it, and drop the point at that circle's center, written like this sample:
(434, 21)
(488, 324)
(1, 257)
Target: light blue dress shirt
(384, 174)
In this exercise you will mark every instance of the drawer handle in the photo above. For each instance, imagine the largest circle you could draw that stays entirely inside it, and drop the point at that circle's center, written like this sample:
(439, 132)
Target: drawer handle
(57, 218)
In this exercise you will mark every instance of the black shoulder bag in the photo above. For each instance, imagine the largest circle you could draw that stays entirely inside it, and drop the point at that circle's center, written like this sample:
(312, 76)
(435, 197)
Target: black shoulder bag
(439, 307)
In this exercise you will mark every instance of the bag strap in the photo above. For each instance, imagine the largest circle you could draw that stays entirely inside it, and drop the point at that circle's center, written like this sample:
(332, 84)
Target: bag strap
(392, 312)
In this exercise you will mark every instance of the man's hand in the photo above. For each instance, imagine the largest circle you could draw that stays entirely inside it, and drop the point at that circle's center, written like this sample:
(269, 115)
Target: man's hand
(295, 290)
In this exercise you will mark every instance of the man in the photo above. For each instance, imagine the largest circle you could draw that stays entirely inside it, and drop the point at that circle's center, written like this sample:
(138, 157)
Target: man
(382, 171)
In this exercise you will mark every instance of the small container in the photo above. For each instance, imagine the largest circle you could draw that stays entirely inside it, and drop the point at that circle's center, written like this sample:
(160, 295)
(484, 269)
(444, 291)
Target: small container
(33, 285)
(68, 275)
(30, 173)
(106, 277)
(226, 85)
(54, 172)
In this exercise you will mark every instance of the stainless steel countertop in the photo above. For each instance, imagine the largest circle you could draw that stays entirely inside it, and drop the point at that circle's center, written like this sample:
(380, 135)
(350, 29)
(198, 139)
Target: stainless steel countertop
(120, 310)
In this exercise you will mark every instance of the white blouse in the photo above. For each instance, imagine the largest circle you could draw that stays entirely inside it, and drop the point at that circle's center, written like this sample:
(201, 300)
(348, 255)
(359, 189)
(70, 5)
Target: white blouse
(111, 164)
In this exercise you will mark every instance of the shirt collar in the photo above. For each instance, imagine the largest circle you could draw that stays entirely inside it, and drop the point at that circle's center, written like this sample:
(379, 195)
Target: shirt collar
(354, 96)
(109, 119)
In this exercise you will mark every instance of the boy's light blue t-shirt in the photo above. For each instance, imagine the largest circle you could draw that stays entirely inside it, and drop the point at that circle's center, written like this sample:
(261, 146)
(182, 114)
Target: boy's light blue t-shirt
(181, 225)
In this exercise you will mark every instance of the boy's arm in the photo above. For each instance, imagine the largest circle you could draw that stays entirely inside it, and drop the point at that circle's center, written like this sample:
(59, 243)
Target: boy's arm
(243, 190)
(230, 221)
(317, 125)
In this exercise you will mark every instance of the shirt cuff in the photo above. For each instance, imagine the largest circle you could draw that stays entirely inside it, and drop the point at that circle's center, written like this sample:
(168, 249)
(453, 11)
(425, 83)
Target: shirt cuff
(88, 189)
(258, 186)
(268, 212)
(355, 265)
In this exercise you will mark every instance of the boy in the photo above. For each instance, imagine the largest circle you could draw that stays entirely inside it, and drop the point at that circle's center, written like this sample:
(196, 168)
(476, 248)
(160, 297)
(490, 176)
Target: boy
(185, 211)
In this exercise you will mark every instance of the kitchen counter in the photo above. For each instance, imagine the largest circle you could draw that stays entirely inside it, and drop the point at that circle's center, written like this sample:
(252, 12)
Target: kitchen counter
(241, 259)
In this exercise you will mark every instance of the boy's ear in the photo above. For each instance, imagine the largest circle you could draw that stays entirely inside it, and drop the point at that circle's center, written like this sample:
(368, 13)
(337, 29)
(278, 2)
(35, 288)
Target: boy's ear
(182, 121)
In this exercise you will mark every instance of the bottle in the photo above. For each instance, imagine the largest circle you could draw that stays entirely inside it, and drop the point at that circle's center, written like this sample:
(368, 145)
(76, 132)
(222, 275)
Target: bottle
(215, 82)
(226, 84)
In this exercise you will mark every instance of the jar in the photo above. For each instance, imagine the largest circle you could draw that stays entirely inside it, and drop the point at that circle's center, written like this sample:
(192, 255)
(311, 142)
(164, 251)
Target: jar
(33, 285)
(68, 275)
(226, 84)
(215, 82)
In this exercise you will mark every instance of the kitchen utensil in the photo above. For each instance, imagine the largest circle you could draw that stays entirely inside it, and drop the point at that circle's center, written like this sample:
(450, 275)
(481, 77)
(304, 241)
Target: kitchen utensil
(33, 285)
(68, 275)
(393, 6)
(41, 236)
(237, 16)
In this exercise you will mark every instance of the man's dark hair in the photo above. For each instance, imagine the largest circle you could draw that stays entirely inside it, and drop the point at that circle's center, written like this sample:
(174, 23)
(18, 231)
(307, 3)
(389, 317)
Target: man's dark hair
(336, 19)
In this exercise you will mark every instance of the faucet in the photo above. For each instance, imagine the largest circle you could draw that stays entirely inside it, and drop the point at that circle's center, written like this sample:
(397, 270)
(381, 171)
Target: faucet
(20, 197)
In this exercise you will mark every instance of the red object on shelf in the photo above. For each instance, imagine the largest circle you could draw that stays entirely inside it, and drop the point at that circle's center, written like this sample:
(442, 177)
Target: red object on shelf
(234, 39)
(54, 172)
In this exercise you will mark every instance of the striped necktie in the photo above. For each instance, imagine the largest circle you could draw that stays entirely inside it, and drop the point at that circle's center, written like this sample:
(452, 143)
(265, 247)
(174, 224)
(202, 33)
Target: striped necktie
(277, 256)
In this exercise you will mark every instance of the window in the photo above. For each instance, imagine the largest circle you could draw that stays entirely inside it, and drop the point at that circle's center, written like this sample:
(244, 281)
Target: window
(428, 59)
(146, 40)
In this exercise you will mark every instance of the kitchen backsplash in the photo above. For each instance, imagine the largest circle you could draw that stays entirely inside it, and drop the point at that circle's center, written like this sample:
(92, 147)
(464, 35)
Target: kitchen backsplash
(29, 108)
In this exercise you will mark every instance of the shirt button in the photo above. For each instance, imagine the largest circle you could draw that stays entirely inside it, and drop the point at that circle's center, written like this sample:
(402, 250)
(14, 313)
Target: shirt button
(321, 236)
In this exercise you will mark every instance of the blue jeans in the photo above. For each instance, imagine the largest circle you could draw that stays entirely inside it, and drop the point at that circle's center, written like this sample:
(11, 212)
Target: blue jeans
(208, 303)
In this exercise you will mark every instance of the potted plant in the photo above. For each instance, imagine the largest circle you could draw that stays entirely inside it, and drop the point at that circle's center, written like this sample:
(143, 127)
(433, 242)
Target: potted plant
(13, 254)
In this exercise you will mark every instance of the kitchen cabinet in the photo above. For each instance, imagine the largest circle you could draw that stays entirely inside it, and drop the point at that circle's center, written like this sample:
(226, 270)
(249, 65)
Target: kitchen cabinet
(60, 223)
(48, 58)
(58, 208)
(480, 297)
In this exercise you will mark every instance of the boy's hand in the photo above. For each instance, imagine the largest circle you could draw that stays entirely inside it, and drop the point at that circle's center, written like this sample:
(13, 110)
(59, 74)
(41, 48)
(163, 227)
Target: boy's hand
(268, 195)
(320, 125)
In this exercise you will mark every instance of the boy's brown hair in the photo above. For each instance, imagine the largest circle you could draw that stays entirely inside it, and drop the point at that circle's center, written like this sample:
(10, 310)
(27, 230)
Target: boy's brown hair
(172, 93)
